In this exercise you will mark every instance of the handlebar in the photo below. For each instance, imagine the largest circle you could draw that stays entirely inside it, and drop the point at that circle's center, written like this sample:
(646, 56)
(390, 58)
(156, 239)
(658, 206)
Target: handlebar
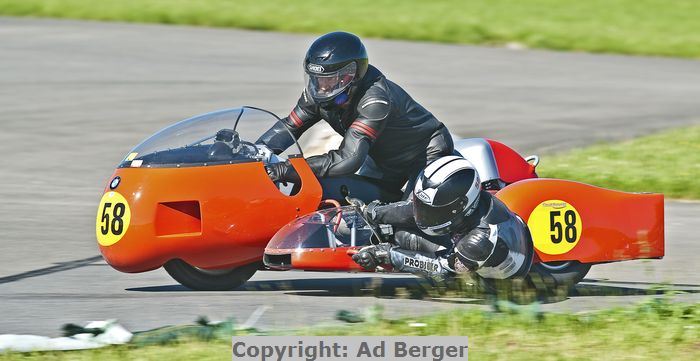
(360, 205)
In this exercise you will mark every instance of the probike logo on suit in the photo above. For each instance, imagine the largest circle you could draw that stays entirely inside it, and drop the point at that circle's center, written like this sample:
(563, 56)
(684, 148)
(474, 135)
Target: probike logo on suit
(424, 265)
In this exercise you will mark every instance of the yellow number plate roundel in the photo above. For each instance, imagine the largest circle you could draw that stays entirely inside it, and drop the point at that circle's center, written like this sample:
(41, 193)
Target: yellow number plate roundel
(113, 217)
(555, 226)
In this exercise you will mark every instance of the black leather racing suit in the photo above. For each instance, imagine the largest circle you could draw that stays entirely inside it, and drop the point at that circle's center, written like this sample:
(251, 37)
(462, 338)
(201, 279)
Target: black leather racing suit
(494, 243)
(381, 121)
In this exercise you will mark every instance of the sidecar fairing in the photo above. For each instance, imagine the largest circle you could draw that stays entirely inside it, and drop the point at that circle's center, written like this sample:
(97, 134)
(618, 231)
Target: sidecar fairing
(186, 193)
(569, 221)
(322, 241)
(572, 221)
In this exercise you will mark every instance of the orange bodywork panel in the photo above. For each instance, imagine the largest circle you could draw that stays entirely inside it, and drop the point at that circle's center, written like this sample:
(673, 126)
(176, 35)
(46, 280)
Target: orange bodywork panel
(575, 221)
(319, 259)
(211, 217)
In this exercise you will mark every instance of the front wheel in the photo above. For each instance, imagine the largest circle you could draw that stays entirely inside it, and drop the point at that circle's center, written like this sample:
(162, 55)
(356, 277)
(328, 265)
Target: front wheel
(210, 280)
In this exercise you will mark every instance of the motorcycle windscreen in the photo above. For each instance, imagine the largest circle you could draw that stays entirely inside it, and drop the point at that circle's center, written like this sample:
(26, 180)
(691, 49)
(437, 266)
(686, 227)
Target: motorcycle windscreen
(226, 136)
(326, 228)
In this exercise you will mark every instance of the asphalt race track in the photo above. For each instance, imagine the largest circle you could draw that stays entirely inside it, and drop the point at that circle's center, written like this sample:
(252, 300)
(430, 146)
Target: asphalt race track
(76, 96)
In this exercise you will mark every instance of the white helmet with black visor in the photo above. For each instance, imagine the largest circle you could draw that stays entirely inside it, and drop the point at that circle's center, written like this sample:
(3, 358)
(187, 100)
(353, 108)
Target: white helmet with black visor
(446, 195)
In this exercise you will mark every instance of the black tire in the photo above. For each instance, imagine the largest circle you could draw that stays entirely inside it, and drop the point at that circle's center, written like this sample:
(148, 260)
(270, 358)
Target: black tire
(558, 277)
(544, 282)
(210, 280)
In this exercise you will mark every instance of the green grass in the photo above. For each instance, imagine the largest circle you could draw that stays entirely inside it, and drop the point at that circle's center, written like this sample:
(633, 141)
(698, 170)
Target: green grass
(654, 330)
(666, 162)
(656, 27)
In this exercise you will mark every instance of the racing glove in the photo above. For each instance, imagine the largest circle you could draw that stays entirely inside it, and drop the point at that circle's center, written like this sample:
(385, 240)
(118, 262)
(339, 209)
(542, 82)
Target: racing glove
(370, 210)
(282, 172)
(370, 257)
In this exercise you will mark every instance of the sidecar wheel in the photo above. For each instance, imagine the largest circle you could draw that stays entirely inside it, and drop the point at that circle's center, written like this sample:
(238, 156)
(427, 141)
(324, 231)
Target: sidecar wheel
(544, 281)
(558, 275)
(210, 280)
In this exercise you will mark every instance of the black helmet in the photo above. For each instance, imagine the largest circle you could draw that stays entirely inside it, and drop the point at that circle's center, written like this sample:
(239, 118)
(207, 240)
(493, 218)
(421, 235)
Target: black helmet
(446, 195)
(333, 65)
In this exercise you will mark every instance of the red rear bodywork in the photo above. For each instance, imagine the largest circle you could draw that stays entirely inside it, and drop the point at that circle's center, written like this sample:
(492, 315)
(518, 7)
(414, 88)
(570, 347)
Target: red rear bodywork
(512, 167)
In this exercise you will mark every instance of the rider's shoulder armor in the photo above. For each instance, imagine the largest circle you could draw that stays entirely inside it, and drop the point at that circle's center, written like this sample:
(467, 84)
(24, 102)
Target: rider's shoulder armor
(375, 101)
(374, 105)
(500, 246)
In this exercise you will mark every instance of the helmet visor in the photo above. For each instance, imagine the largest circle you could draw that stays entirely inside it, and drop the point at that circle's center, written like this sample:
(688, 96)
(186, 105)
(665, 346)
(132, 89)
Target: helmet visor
(436, 221)
(326, 86)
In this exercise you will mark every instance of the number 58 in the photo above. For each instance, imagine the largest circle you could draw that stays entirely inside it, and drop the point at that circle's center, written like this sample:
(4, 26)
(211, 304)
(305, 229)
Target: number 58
(558, 231)
(116, 226)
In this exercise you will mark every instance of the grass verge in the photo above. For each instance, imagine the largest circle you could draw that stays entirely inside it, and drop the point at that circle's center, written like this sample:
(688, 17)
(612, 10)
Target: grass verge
(666, 162)
(653, 330)
(652, 27)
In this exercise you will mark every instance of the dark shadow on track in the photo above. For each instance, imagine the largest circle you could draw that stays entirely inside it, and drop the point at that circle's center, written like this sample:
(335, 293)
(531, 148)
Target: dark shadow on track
(587, 280)
(404, 287)
(416, 288)
(601, 291)
(594, 287)
(166, 288)
(62, 266)
(410, 287)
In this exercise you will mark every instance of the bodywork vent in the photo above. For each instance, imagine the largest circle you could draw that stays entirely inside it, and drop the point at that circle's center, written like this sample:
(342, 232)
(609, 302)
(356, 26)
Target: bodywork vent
(178, 219)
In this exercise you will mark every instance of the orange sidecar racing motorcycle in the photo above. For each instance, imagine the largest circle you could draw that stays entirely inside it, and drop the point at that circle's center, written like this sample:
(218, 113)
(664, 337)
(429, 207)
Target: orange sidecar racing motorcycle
(195, 198)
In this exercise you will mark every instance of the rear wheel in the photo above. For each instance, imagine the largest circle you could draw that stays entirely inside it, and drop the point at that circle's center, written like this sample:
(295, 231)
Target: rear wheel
(557, 277)
(544, 281)
(210, 280)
